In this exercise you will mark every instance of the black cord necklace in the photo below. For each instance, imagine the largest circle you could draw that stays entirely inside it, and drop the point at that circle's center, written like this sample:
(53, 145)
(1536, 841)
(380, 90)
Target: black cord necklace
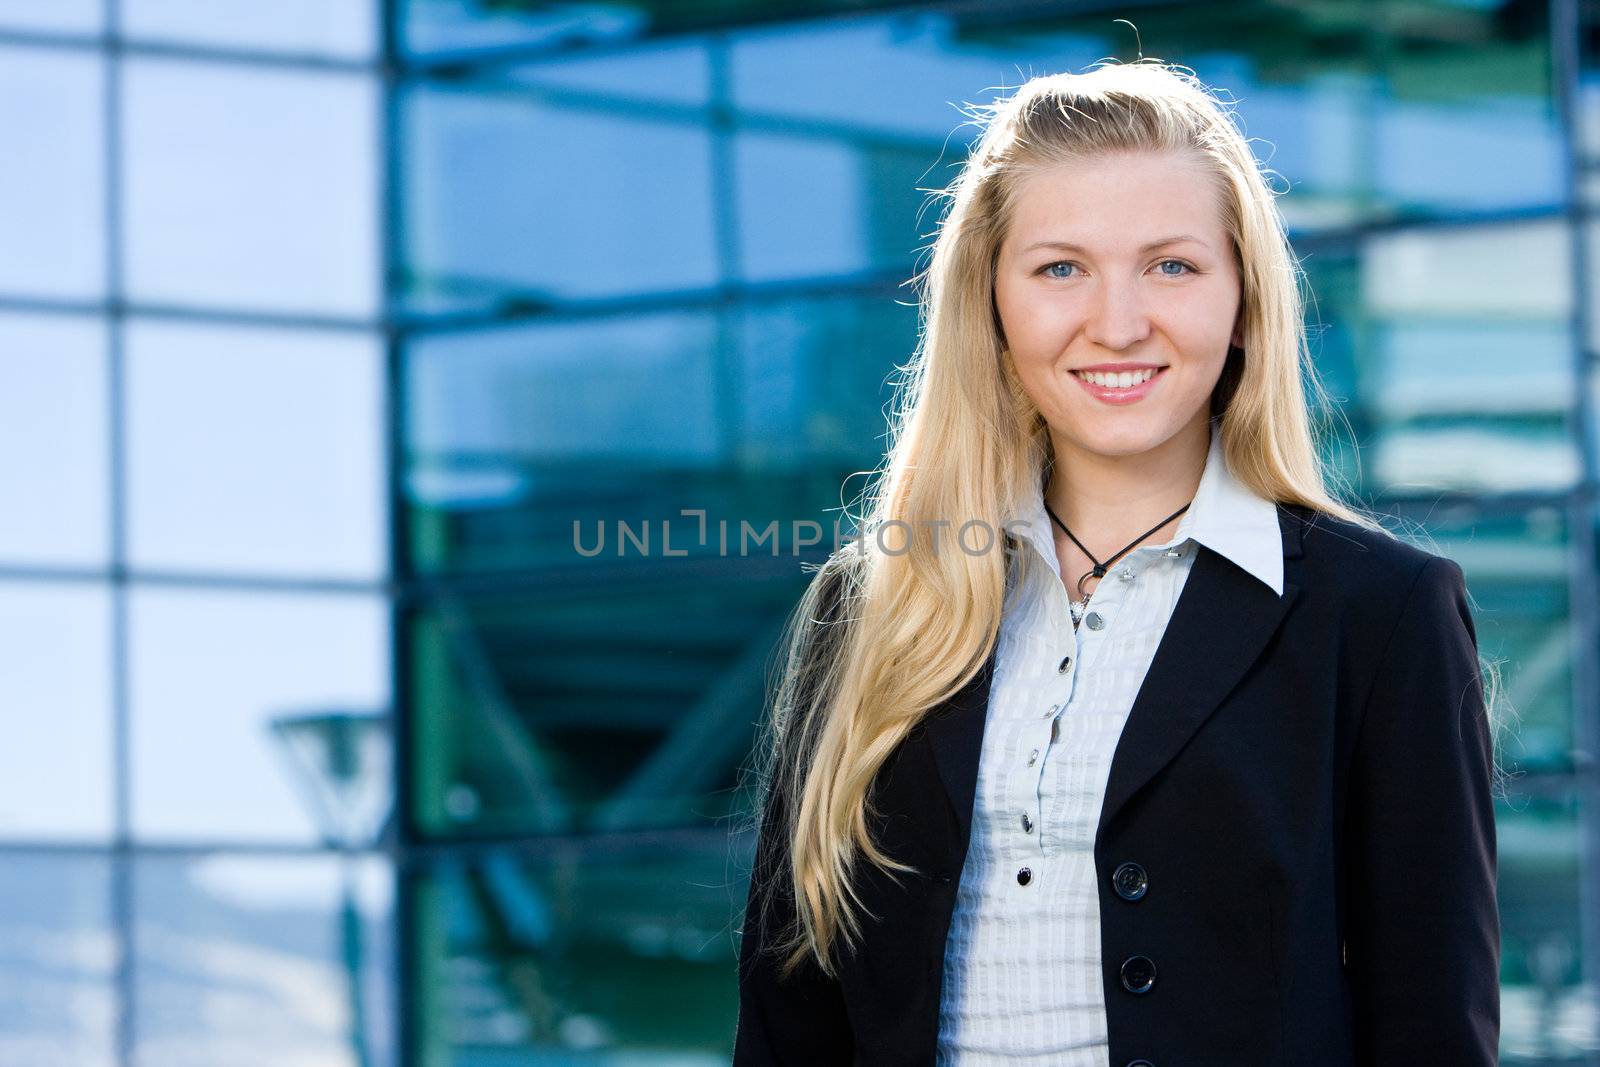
(1099, 566)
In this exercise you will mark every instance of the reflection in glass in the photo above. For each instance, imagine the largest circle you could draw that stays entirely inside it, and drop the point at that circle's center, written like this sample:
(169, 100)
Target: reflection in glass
(515, 433)
(1516, 565)
(53, 437)
(263, 961)
(57, 961)
(599, 953)
(604, 706)
(1467, 370)
(52, 210)
(655, 73)
(1548, 1004)
(250, 188)
(213, 674)
(255, 451)
(813, 207)
(491, 221)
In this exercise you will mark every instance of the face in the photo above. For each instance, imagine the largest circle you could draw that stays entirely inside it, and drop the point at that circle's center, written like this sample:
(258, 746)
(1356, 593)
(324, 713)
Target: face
(1090, 275)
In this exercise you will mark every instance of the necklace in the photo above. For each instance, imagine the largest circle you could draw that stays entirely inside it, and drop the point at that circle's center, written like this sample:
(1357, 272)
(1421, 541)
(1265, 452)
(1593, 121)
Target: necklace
(1100, 566)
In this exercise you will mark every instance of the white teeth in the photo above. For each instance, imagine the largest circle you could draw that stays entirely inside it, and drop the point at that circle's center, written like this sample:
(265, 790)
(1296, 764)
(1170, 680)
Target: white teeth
(1125, 380)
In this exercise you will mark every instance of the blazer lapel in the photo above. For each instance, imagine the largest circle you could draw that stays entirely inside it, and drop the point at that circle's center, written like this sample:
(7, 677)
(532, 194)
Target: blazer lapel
(1223, 619)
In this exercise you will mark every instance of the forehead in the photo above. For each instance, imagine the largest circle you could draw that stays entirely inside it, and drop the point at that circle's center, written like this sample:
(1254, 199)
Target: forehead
(1118, 201)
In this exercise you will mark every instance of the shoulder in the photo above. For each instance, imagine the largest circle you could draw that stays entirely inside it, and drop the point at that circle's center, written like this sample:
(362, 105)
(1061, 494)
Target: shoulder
(1373, 564)
(1374, 583)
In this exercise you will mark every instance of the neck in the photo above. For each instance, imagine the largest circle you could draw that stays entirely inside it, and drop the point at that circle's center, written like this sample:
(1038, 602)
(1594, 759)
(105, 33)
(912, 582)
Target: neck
(1107, 501)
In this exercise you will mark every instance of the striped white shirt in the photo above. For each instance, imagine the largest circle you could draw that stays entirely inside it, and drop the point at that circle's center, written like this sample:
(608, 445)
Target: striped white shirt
(1022, 969)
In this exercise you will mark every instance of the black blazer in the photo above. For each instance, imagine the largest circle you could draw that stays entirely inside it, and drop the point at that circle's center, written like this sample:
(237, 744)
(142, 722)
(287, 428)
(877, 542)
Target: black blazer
(1296, 850)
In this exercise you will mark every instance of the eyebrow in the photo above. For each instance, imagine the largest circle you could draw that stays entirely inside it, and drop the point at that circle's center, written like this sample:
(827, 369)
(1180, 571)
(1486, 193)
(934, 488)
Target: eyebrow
(1067, 246)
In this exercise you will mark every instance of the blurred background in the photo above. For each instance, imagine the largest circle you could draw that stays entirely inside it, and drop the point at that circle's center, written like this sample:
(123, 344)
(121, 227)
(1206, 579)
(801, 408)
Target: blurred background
(323, 321)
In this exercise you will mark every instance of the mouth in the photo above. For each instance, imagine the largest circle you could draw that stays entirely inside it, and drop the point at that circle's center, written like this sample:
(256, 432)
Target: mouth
(1119, 388)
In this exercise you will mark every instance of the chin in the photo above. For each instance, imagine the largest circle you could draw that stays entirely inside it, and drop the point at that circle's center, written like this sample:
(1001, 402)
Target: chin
(1120, 438)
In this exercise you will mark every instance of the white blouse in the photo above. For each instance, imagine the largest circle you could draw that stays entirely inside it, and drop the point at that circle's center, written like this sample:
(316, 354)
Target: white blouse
(1022, 969)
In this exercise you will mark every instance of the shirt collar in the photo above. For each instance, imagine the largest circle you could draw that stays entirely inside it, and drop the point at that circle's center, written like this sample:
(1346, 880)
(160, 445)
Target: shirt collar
(1226, 516)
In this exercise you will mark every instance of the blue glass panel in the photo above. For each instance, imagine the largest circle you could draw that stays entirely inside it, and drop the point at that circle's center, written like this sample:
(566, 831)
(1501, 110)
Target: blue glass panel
(514, 202)
(57, 961)
(258, 716)
(53, 429)
(57, 777)
(263, 961)
(54, 16)
(606, 953)
(52, 209)
(255, 451)
(1548, 1009)
(343, 29)
(251, 188)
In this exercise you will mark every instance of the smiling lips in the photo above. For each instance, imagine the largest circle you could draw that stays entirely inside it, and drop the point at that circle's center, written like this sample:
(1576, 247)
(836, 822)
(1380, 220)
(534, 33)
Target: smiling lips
(1119, 388)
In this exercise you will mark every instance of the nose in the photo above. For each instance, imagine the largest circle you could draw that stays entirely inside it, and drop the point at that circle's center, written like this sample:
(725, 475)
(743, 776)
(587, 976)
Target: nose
(1116, 316)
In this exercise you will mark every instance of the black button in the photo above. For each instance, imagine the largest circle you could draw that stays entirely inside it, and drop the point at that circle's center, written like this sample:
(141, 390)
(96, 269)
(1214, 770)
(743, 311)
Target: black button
(1024, 876)
(1140, 1063)
(1066, 661)
(1130, 881)
(1138, 974)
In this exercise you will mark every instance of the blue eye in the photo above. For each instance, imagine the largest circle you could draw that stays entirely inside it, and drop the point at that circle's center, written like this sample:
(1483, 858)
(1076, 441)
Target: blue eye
(1049, 269)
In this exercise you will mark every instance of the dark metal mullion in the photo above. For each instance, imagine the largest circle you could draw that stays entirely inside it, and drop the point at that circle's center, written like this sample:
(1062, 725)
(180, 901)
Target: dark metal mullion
(122, 875)
(405, 969)
(1584, 591)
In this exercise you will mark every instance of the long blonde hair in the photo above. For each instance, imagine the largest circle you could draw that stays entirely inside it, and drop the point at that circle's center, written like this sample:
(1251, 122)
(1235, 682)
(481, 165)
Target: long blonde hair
(883, 636)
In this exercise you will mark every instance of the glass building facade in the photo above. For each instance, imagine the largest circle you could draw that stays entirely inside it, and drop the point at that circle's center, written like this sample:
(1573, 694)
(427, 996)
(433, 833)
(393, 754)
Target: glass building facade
(331, 331)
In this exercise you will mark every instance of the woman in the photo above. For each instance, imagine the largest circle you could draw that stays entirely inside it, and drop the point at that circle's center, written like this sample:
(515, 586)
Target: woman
(1198, 770)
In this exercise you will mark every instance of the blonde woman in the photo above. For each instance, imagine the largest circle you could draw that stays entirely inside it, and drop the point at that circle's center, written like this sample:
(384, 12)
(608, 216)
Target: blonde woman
(1192, 765)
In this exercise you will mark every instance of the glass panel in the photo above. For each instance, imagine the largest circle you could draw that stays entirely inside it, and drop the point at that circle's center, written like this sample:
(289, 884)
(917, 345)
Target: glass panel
(897, 76)
(1517, 568)
(52, 211)
(251, 188)
(1588, 116)
(457, 27)
(475, 239)
(815, 377)
(256, 450)
(602, 705)
(446, 26)
(53, 450)
(1444, 407)
(259, 716)
(1548, 1011)
(263, 961)
(56, 770)
(515, 434)
(57, 961)
(510, 429)
(811, 207)
(602, 953)
(658, 73)
(1590, 231)
(69, 16)
(345, 29)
